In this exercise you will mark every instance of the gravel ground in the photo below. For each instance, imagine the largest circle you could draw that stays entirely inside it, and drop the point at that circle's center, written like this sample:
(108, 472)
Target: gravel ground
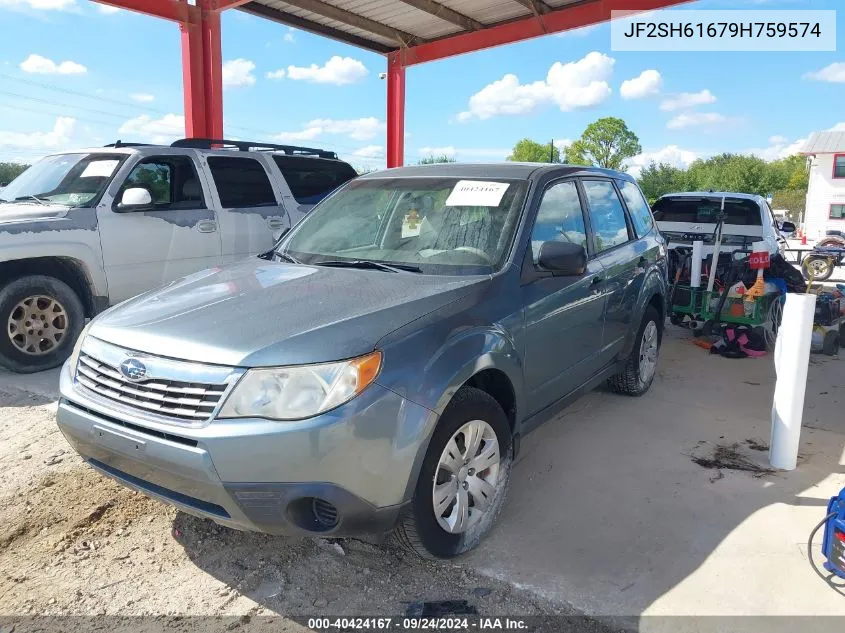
(73, 543)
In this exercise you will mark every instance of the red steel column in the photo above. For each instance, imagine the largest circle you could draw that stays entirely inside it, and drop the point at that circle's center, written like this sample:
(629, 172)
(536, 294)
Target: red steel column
(193, 85)
(212, 73)
(395, 111)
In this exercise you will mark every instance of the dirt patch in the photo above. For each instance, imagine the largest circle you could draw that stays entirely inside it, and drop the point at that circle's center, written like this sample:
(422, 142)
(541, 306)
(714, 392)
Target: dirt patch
(74, 543)
(728, 457)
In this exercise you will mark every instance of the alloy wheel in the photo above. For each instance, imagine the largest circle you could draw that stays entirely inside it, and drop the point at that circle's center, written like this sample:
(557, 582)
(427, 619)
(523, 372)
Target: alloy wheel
(648, 352)
(37, 325)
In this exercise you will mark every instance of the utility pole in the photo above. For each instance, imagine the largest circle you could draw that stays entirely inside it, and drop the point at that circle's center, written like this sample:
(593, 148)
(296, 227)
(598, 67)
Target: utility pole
(552, 151)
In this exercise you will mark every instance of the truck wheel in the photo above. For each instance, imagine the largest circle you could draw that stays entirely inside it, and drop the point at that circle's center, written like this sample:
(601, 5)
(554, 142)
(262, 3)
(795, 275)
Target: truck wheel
(40, 318)
(641, 366)
(820, 268)
(463, 479)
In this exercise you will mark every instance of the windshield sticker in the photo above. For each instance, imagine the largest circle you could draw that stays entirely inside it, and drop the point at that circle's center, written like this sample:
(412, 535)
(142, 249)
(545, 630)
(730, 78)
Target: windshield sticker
(99, 169)
(477, 193)
(411, 224)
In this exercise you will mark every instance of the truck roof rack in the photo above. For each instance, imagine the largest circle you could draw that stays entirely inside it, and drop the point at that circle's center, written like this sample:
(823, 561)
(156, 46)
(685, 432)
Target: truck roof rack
(119, 143)
(248, 146)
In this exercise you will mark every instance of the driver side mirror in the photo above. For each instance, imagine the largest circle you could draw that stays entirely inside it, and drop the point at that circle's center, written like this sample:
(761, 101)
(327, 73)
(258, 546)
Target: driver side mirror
(135, 199)
(788, 228)
(563, 258)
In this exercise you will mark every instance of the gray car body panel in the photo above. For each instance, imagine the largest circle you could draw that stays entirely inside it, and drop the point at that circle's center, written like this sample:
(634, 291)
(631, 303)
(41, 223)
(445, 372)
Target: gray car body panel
(435, 334)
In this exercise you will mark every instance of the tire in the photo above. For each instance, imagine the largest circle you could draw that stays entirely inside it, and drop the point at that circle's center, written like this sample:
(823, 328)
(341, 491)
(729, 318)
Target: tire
(636, 377)
(36, 292)
(842, 335)
(419, 530)
(821, 266)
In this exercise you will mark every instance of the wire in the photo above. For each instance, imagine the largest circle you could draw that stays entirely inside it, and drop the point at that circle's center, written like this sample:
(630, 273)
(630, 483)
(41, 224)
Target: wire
(810, 553)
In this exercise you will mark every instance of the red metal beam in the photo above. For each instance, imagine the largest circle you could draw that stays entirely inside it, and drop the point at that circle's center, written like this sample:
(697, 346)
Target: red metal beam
(395, 111)
(193, 84)
(176, 10)
(561, 19)
(222, 5)
(212, 73)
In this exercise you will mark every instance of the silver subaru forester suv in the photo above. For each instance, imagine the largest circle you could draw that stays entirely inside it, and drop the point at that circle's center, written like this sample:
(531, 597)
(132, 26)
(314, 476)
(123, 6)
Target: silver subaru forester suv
(377, 369)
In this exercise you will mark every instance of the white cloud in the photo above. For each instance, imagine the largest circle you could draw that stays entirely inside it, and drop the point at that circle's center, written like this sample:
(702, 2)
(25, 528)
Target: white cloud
(289, 36)
(161, 131)
(107, 9)
(695, 119)
(142, 97)
(276, 74)
(648, 83)
(777, 139)
(839, 127)
(57, 137)
(370, 151)
(237, 73)
(338, 71)
(687, 100)
(39, 5)
(670, 155)
(448, 150)
(779, 147)
(43, 66)
(834, 73)
(579, 84)
(357, 129)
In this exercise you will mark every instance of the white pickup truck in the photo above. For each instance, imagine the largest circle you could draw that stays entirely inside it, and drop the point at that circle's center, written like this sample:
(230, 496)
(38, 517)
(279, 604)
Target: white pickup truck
(83, 230)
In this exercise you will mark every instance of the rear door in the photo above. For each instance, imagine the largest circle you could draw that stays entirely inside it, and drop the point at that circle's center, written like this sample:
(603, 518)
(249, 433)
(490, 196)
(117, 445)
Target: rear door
(310, 180)
(144, 249)
(622, 259)
(251, 209)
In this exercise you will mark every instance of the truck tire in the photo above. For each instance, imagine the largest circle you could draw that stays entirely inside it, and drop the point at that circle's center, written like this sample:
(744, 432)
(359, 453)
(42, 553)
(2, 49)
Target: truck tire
(40, 317)
(640, 368)
(433, 525)
(821, 268)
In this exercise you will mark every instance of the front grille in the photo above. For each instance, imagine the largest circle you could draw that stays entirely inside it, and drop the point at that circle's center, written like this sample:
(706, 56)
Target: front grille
(171, 398)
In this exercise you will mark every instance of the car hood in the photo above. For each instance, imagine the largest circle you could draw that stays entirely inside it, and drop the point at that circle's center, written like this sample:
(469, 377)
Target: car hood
(258, 313)
(31, 211)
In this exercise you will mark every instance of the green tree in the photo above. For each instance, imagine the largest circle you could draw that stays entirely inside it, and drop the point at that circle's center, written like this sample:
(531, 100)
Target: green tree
(656, 180)
(435, 160)
(528, 151)
(605, 143)
(10, 171)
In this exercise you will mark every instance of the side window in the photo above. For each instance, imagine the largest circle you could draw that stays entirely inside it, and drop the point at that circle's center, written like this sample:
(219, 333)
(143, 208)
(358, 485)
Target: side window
(310, 179)
(607, 216)
(559, 218)
(637, 207)
(241, 182)
(171, 180)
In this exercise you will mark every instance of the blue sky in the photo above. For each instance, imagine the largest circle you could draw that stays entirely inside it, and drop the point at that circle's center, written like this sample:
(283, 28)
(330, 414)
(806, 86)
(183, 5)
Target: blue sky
(74, 73)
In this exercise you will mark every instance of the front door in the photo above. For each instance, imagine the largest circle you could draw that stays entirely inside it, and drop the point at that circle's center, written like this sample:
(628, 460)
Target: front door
(179, 236)
(563, 315)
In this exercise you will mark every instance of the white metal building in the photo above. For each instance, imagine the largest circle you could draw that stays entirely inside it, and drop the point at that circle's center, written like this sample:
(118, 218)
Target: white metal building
(826, 193)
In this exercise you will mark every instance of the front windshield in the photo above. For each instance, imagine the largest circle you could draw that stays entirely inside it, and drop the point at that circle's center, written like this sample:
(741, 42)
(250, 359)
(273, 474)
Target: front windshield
(439, 225)
(75, 180)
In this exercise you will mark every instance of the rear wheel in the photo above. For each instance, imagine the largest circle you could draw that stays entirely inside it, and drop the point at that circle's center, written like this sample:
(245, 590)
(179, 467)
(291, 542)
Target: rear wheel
(40, 318)
(819, 268)
(463, 479)
(641, 366)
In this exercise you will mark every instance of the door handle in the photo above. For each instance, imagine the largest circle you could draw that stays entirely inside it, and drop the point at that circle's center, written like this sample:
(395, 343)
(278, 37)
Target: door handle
(596, 281)
(275, 223)
(207, 226)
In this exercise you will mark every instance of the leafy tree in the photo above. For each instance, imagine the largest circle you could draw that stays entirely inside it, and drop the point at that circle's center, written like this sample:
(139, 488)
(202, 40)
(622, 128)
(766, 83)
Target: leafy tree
(10, 171)
(528, 151)
(657, 180)
(605, 143)
(434, 160)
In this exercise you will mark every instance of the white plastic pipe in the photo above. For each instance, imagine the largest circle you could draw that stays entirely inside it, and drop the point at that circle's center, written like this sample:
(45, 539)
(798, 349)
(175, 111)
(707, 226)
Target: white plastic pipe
(792, 357)
(695, 267)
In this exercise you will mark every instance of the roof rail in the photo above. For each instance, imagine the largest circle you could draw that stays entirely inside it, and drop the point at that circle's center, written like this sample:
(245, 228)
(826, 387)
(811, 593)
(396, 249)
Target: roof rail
(247, 146)
(119, 143)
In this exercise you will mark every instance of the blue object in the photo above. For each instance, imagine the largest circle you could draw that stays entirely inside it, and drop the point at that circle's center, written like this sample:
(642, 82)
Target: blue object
(833, 544)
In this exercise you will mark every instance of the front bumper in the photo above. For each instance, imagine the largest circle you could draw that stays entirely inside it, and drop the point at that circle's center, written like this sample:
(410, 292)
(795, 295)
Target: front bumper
(358, 461)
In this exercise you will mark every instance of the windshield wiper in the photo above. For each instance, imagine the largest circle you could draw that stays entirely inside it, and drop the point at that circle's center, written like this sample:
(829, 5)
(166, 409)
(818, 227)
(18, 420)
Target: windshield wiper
(286, 257)
(36, 198)
(368, 263)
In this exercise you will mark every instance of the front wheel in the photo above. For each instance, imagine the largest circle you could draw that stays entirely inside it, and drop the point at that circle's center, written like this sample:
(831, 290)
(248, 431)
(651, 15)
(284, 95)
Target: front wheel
(638, 374)
(819, 268)
(40, 318)
(463, 479)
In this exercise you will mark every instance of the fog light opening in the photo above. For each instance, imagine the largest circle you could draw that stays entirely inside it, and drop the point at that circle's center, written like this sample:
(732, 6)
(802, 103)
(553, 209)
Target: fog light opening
(313, 514)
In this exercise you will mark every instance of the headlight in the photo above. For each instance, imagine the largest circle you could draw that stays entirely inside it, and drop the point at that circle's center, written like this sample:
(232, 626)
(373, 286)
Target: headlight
(74, 355)
(294, 393)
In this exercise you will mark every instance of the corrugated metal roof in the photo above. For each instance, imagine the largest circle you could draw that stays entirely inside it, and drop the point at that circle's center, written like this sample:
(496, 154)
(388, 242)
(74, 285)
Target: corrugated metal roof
(827, 142)
(389, 25)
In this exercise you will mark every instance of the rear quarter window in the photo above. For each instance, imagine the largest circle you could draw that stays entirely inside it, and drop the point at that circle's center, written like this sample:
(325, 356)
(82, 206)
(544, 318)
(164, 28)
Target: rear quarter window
(311, 179)
(637, 207)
